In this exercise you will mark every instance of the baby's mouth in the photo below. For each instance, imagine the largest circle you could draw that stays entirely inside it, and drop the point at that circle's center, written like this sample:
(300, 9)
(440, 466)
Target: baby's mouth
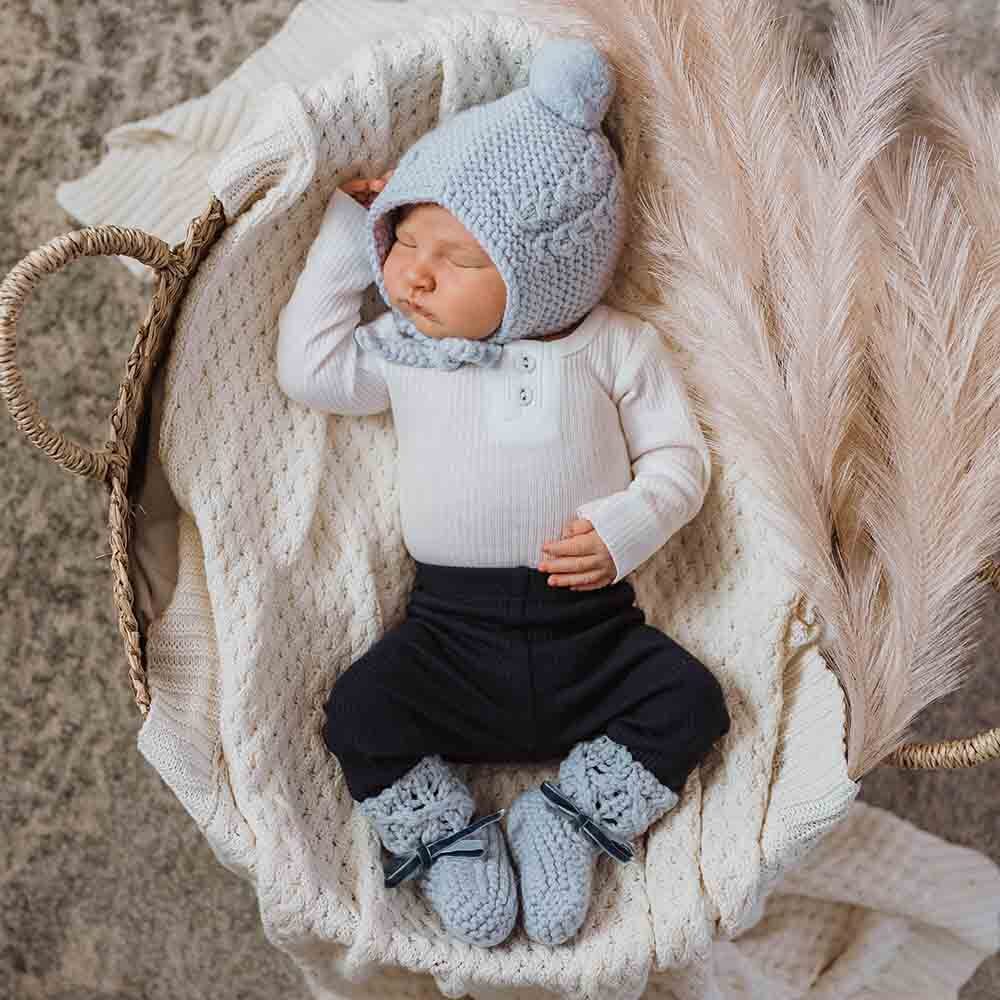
(416, 309)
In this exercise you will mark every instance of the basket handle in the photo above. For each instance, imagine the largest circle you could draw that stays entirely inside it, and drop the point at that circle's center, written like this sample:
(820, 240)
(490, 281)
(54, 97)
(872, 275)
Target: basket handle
(94, 241)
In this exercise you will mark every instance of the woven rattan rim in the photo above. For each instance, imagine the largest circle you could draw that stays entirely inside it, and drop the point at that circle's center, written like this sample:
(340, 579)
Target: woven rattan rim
(174, 268)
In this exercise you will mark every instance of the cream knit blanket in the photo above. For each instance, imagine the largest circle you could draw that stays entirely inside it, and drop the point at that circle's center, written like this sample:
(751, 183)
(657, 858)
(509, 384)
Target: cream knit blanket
(291, 563)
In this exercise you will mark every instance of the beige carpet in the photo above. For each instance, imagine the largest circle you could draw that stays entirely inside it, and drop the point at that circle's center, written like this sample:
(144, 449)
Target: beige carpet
(108, 890)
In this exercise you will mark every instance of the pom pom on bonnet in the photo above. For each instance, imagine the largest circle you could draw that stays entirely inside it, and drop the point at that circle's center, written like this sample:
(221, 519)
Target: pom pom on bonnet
(534, 179)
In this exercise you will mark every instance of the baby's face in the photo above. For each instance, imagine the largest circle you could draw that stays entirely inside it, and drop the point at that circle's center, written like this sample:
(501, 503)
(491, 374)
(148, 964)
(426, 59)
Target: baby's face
(437, 264)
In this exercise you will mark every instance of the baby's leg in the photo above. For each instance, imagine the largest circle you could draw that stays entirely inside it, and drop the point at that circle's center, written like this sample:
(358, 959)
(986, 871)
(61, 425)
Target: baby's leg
(673, 709)
(623, 678)
(384, 723)
(418, 690)
(638, 712)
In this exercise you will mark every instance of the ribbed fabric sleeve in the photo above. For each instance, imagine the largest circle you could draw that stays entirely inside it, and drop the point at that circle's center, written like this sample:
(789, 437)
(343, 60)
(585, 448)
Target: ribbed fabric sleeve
(319, 362)
(671, 463)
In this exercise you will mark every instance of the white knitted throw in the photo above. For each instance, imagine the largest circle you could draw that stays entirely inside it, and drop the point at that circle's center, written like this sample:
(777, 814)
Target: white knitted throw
(292, 563)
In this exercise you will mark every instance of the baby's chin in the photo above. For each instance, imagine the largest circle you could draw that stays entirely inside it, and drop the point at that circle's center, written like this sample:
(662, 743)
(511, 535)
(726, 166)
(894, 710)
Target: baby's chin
(430, 327)
(436, 329)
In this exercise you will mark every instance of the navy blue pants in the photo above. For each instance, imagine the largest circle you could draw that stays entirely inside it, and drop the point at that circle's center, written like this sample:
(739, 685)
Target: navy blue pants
(491, 664)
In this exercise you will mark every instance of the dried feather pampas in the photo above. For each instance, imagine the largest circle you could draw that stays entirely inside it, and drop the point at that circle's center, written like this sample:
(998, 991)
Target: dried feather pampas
(837, 308)
(929, 502)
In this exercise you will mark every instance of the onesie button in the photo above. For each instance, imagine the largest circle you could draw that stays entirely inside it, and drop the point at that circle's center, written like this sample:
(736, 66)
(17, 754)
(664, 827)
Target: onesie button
(526, 395)
(527, 362)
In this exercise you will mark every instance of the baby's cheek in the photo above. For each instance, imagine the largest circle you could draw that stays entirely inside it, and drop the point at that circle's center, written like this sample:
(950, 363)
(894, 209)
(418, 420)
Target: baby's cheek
(389, 275)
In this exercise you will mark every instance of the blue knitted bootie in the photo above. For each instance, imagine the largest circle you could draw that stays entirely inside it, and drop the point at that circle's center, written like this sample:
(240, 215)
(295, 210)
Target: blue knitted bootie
(603, 799)
(463, 868)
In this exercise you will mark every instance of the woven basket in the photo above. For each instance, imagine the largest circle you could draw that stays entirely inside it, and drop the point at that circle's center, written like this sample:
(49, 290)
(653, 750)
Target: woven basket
(125, 450)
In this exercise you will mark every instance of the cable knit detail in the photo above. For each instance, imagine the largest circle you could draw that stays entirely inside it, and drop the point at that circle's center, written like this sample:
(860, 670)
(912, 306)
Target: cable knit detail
(428, 802)
(606, 782)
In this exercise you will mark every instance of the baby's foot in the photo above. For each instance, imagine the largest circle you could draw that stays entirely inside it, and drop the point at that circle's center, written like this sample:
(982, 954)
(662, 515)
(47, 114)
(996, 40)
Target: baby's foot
(475, 897)
(554, 857)
(555, 868)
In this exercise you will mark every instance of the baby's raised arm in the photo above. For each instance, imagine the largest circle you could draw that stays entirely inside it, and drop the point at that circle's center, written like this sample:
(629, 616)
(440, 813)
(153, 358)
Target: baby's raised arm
(319, 362)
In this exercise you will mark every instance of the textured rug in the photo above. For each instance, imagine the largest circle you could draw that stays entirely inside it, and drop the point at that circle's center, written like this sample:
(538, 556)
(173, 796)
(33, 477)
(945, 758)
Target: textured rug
(107, 890)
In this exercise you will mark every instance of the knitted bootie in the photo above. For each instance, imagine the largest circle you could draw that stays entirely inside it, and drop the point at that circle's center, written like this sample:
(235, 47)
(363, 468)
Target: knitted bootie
(603, 799)
(462, 868)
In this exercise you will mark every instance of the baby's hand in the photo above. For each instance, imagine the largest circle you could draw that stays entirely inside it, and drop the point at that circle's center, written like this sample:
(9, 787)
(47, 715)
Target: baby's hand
(580, 560)
(364, 190)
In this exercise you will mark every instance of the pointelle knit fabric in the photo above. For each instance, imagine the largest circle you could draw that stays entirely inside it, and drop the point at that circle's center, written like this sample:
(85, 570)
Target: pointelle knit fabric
(291, 562)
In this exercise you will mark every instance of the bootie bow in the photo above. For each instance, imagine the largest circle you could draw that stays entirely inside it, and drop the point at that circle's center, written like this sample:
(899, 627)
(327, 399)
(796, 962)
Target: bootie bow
(407, 866)
(618, 849)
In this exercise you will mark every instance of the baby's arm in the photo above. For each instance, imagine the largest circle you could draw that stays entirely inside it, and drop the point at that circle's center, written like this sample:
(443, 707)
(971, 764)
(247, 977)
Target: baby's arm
(319, 362)
(671, 462)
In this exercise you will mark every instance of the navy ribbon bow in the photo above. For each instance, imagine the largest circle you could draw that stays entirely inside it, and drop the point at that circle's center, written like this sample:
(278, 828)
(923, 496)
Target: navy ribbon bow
(618, 849)
(405, 866)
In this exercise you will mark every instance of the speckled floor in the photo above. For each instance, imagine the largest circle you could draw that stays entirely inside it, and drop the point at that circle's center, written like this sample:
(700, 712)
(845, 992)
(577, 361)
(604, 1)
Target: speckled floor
(108, 890)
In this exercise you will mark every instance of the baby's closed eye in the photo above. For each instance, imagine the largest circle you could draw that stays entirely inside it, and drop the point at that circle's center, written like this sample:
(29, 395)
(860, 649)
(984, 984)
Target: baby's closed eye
(458, 261)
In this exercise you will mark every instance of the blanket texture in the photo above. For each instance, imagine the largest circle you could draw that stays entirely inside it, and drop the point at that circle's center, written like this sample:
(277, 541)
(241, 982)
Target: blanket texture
(768, 879)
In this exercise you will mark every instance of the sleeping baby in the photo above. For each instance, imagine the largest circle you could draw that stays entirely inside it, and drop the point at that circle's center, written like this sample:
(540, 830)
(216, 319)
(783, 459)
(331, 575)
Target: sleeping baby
(546, 448)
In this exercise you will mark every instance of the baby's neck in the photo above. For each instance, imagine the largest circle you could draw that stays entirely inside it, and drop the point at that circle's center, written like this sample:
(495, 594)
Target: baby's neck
(558, 334)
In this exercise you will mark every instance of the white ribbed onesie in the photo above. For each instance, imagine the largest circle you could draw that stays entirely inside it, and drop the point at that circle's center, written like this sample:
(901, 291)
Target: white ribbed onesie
(493, 462)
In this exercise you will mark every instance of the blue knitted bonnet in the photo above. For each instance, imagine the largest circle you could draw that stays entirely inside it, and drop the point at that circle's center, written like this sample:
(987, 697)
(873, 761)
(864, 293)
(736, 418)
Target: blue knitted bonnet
(534, 179)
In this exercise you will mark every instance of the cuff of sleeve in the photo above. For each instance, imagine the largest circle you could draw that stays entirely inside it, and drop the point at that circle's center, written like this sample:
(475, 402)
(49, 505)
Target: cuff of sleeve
(628, 526)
